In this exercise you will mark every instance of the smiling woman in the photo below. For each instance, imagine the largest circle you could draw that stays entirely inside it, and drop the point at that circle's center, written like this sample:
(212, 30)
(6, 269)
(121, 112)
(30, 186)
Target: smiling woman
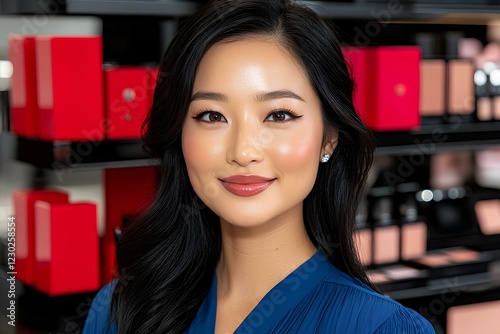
(256, 134)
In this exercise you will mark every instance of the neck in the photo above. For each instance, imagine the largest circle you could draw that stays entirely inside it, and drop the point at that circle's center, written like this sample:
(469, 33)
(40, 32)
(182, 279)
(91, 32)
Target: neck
(254, 259)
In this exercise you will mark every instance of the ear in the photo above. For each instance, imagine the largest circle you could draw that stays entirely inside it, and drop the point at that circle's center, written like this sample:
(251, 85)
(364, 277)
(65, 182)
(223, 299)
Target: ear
(330, 142)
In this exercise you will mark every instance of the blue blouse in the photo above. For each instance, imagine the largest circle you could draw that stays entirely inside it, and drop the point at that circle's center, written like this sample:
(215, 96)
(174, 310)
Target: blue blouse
(314, 298)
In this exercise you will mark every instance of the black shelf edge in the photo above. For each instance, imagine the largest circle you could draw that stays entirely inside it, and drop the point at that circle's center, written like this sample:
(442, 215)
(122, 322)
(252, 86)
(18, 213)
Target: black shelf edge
(179, 8)
(467, 283)
(430, 139)
(359, 10)
(123, 7)
(80, 156)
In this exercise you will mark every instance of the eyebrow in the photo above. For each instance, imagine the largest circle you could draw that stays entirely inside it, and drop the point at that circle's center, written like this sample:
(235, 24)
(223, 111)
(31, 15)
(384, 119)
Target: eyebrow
(262, 97)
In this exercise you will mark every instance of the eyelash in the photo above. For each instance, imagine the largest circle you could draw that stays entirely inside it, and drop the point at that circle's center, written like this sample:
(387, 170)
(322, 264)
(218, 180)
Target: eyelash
(199, 114)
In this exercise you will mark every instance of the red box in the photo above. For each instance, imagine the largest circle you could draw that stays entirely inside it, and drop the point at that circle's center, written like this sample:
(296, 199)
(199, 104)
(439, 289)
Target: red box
(387, 86)
(23, 92)
(67, 248)
(24, 210)
(153, 78)
(128, 192)
(128, 100)
(70, 88)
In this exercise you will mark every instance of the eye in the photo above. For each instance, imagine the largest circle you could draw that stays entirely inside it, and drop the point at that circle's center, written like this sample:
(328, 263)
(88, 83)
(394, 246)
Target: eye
(282, 116)
(209, 117)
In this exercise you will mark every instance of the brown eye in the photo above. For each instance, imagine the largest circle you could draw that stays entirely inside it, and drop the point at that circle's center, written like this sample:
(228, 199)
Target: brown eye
(210, 117)
(281, 116)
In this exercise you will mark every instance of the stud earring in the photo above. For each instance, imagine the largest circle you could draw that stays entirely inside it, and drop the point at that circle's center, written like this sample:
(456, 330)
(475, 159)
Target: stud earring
(325, 158)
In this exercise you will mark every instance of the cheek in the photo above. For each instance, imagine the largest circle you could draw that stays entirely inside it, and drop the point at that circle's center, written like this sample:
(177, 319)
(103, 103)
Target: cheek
(200, 152)
(299, 149)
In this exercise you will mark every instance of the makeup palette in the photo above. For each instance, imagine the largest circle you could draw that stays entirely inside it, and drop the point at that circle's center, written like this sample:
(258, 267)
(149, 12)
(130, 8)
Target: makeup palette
(451, 262)
(398, 277)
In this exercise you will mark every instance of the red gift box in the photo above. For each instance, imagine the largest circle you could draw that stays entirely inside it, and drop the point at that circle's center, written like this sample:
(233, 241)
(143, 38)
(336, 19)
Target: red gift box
(128, 100)
(70, 88)
(67, 248)
(387, 86)
(23, 92)
(24, 209)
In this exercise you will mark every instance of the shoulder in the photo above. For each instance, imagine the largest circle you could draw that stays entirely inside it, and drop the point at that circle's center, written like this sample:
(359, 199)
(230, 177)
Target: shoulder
(99, 313)
(369, 311)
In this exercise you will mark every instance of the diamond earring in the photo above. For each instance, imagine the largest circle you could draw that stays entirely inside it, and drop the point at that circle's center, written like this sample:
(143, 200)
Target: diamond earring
(325, 158)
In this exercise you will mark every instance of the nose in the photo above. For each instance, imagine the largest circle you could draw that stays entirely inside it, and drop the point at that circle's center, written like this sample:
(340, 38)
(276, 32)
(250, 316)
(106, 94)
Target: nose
(244, 145)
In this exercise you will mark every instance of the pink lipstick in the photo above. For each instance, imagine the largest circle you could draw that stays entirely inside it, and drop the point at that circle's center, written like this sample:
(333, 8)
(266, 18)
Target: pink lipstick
(246, 185)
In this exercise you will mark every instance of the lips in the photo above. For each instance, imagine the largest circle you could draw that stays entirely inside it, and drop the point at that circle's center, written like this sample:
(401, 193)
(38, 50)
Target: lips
(246, 185)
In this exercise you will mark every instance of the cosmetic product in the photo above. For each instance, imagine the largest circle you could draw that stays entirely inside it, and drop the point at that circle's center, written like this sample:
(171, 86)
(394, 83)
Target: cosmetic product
(494, 78)
(398, 277)
(387, 86)
(23, 93)
(24, 210)
(70, 88)
(363, 235)
(432, 87)
(451, 262)
(473, 318)
(386, 243)
(488, 216)
(127, 191)
(363, 244)
(127, 94)
(413, 240)
(67, 248)
(386, 236)
(461, 94)
(484, 105)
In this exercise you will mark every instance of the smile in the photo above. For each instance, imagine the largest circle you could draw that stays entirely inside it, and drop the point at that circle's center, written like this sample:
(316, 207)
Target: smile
(246, 186)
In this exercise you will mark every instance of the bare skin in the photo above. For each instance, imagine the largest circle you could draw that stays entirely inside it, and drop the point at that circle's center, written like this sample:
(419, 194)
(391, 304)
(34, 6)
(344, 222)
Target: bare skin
(244, 130)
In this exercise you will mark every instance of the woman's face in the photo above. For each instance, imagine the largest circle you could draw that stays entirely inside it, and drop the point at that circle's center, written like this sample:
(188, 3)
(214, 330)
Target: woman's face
(252, 137)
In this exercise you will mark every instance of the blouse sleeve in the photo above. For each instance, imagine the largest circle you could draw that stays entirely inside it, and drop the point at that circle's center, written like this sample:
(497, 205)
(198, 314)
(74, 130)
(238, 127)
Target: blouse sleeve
(99, 313)
(405, 320)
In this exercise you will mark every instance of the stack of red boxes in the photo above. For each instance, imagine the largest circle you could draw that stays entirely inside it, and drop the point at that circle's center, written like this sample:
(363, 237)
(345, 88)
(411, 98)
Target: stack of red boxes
(57, 242)
(60, 91)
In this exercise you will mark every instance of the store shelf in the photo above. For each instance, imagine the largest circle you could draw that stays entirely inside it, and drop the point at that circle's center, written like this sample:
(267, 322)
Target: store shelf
(85, 155)
(125, 7)
(430, 139)
(473, 282)
(348, 10)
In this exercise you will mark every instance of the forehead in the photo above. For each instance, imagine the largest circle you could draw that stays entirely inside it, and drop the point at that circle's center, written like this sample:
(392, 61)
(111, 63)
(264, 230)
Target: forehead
(251, 61)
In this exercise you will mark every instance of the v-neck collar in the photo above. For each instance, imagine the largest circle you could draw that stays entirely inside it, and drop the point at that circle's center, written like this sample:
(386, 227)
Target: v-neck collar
(277, 301)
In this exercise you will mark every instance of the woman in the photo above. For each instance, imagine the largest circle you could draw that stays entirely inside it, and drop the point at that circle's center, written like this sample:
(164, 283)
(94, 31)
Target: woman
(263, 161)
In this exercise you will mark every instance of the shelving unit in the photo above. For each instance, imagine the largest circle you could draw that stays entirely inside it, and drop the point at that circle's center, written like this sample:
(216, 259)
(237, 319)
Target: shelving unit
(430, 139)
(360, 9)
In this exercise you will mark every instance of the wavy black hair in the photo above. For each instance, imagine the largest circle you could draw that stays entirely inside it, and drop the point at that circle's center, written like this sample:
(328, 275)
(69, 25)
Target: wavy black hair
(172, 249)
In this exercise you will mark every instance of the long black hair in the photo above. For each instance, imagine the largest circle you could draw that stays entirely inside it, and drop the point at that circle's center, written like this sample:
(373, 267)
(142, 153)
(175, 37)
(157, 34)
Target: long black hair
(172, 249)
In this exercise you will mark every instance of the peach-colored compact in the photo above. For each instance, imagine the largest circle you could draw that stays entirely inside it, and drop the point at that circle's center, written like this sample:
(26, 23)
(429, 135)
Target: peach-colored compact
(474, 318)
(413, 240)
(488, 216)
(363, 244)
(432, 87)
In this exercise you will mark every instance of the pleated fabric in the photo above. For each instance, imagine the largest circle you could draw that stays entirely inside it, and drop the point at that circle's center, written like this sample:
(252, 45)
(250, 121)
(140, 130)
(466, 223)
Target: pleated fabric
(318, 298)
(314, 298)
